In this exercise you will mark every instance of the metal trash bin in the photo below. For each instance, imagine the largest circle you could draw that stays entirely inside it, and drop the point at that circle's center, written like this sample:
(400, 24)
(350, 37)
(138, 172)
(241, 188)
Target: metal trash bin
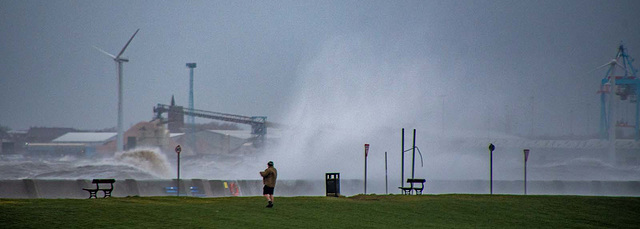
(333, 184)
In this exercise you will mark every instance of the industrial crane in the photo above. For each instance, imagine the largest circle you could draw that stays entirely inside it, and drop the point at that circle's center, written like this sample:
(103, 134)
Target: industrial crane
(626, 87)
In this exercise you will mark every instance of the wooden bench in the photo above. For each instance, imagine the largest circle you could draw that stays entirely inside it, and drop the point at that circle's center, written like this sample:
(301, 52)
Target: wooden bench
(107, 191)
(413, 186)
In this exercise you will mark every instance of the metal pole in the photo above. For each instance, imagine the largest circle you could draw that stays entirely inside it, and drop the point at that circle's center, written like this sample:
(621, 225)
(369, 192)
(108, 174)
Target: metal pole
(402, 152)
(178, 175)
(525, 176)
(526, 156)
(191, 117)
(413, 162)
(386, 183)
(365, 171)
(491, 148)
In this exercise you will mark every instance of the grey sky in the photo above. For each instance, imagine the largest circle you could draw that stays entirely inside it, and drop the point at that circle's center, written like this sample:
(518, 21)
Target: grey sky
(262, 57)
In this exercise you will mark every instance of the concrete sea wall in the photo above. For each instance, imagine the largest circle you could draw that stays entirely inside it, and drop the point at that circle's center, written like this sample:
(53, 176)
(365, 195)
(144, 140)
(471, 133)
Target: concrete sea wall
(34, 188)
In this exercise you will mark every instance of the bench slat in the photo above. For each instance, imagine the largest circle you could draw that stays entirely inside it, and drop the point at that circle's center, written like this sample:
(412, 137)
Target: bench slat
(408, 190)
(96, 181)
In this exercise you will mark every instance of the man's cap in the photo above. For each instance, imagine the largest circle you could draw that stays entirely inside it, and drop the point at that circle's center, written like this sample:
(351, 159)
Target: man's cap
(270, 163)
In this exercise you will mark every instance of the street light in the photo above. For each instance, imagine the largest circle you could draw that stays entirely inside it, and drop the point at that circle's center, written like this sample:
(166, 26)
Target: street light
(491, 149)
(526, 156)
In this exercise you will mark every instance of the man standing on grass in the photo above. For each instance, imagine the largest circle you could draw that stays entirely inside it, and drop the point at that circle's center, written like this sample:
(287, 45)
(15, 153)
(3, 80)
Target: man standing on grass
(269, 176)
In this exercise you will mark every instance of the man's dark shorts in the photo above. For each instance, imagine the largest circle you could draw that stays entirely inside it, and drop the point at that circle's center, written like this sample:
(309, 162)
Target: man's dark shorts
(266, 190)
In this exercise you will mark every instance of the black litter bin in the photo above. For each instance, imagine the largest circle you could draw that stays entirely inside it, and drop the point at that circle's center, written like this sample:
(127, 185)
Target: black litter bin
(333, 184)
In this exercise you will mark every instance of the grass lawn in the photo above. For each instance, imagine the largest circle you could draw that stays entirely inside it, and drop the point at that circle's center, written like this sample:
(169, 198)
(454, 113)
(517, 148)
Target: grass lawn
(362, 211)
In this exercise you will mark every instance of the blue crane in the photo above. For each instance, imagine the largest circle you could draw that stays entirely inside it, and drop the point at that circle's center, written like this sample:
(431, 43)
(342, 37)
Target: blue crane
(626, 87)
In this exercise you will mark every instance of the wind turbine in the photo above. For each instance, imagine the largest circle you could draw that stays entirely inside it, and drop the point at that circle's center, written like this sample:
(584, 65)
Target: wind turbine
(119, 60)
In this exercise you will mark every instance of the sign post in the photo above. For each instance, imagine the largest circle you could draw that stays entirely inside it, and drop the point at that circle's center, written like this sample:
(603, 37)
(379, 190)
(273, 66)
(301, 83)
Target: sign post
(526, 157)
(491, 149)
(178, 150)
(413, 161)
(386, 183)
(366, 153)
(402, 152)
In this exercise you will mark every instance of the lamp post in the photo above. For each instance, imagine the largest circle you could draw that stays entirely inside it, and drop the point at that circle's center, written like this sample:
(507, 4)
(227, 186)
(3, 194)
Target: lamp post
(491, 149)
(526, 156)
(366, 153)
(178, 150)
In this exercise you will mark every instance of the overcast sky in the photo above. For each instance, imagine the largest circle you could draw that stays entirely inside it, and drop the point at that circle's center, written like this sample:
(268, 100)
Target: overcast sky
(485, 59)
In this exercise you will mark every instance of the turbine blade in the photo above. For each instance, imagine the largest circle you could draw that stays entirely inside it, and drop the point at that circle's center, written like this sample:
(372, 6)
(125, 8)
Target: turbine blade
(106, 53)
(605, 65)
(125, 46)
(601, 66)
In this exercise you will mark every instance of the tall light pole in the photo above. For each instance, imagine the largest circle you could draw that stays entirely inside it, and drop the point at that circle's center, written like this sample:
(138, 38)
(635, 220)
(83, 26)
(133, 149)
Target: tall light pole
(191, 66)
(191, 118)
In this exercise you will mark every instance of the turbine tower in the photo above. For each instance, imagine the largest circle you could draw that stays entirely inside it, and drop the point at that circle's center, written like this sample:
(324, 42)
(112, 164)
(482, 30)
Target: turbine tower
(119, 60)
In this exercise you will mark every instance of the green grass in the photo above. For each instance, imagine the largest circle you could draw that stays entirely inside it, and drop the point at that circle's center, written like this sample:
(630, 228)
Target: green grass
(370, 211)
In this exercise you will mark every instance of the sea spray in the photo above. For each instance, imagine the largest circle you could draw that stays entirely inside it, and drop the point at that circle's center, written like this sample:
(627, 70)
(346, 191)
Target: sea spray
(349, 95)
(145, 163)
(146, 159)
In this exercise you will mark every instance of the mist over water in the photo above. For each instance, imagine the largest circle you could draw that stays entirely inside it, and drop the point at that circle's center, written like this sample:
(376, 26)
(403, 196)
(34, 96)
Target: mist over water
(351, 94)
(585, 169)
